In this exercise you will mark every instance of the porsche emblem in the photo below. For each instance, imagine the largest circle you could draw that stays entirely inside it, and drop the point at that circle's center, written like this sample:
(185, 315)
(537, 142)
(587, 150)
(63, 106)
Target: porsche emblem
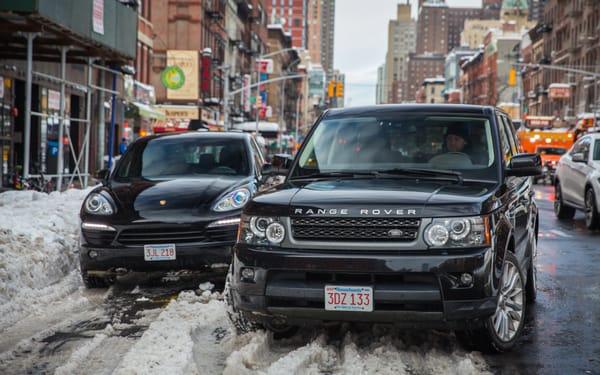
(162, 202)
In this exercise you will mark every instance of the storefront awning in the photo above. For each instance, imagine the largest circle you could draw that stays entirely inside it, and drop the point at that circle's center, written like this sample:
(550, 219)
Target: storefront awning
(145, 110)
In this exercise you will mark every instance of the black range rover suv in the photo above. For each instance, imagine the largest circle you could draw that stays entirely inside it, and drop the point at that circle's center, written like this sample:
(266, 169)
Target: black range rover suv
(419, 215)
(173, 202)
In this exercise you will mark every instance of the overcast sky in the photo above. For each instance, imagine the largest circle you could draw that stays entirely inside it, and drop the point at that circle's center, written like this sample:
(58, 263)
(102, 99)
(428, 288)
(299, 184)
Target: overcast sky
(361, 41)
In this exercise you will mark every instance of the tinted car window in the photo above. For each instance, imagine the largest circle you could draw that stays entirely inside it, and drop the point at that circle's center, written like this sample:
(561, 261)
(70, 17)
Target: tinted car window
(504, 142)
(403, 140)
(551, 151)
(597, 150)
(164, 158)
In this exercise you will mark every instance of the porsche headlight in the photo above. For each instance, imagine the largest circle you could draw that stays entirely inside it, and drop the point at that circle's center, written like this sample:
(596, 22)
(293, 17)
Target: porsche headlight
(233, 200)
(458, 232)
(259, 230)
(98, 204)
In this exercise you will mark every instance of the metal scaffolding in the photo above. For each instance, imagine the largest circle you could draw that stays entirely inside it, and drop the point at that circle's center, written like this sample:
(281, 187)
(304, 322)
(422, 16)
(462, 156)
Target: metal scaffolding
(81, 169)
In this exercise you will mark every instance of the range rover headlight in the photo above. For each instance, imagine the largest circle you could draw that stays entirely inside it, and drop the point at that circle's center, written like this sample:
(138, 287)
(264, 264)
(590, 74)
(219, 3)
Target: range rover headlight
(259, 230)
(458, 232)
(233, 200)
(98, 204)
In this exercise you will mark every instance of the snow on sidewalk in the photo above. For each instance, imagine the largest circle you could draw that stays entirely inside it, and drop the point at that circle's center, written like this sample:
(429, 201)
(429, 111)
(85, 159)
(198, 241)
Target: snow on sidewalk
(38, 239)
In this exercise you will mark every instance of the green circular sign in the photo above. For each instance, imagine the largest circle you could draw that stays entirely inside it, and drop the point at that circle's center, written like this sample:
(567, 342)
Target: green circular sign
(172, 77)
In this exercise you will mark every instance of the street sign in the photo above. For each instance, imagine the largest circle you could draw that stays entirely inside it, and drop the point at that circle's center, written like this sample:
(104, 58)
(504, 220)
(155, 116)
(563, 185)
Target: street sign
(246, 93)
(559, 91)
(264, 66)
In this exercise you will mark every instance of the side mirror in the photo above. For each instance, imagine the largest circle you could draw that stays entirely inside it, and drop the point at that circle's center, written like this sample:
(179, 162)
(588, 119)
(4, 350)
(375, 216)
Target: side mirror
(525, 165)
(102, 175)
(578, 157)
(279, 166)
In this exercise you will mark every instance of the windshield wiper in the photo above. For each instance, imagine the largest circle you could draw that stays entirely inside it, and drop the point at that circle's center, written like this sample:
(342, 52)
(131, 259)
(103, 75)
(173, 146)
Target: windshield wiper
(337, 174)
(418, 172)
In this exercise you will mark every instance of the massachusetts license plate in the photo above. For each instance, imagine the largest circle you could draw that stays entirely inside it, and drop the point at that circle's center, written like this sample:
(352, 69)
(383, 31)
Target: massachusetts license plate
(348, 298)
(159, 252)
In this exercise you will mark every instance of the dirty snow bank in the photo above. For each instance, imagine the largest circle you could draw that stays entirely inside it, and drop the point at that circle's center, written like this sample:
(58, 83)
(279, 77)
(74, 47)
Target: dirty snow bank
(38, 239)
(167, 346)
(376, 350)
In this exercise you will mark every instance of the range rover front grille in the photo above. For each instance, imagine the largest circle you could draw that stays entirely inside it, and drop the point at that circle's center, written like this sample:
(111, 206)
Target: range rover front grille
(355, 229)
(183, 233)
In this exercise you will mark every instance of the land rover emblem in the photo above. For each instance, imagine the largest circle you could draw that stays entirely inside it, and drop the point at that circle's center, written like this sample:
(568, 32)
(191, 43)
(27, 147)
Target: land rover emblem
(395, 233)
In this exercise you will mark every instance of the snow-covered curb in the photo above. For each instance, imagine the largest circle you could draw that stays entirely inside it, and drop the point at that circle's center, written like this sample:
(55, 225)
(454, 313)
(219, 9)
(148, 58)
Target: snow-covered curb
(38, 259)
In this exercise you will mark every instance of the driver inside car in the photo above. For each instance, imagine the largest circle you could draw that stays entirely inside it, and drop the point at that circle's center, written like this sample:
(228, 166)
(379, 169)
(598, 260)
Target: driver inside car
(456, 138)
(455, 151)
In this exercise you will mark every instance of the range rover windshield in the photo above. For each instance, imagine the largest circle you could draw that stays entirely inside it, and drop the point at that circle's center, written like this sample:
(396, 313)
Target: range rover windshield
(401, 142)
(178, 157)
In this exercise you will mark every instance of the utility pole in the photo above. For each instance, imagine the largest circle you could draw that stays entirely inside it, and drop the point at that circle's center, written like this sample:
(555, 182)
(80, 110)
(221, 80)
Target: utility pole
(226, 69)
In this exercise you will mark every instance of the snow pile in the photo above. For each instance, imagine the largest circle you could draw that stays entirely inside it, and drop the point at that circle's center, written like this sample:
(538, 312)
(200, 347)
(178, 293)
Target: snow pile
(168, 346)
(378, 350)
(38, 243)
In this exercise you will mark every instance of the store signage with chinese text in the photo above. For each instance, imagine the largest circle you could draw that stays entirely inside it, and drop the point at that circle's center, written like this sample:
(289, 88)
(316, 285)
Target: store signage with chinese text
(246, 93)
(53, 100)
(98, 17)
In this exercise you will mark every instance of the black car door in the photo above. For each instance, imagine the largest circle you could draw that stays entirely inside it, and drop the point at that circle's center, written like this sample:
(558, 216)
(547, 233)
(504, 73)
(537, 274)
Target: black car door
(520, 192)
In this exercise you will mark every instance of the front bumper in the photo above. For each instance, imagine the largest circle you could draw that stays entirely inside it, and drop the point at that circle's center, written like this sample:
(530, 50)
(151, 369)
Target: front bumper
(131, 258)
(410, 289)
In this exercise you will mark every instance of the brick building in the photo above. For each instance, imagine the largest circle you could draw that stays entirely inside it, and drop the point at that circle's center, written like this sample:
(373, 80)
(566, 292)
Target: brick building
(571, 38)
(421, 67)
(292, 15)
(202, 26)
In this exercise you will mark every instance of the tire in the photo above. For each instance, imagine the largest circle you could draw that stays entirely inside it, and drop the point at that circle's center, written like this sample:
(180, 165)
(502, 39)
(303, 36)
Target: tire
(531, 287)
(94, 282)
(239, 319)
(491, 337)
(561, 210)
(592, 216)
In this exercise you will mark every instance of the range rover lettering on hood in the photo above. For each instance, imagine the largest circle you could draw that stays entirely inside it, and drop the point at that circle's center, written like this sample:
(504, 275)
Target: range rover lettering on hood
(356, 212)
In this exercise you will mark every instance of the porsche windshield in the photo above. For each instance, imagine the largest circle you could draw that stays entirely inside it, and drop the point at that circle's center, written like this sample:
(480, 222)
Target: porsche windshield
(463, 144)
(167, 158)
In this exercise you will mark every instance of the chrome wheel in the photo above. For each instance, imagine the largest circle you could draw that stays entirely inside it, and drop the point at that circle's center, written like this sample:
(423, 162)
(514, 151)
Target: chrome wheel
(557, 199)
(509, 312)
(589, 206)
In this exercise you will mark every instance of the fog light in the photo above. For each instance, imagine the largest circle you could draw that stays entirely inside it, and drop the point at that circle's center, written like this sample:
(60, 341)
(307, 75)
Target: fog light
(93, 254)
(466, 279)
(247, 274)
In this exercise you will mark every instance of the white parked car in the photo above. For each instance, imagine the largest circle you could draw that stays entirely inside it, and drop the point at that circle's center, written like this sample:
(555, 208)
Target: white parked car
(577, 181)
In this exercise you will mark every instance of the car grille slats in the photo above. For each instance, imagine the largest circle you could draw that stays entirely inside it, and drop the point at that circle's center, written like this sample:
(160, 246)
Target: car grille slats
(355, 229)
(178, 234)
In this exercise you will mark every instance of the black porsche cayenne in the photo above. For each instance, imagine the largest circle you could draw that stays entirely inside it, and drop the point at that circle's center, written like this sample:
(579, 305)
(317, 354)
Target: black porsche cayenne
(173, 202)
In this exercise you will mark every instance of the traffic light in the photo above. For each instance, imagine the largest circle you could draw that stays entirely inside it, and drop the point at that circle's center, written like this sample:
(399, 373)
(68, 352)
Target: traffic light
(512, 77)
(331, 89)
(339, 89)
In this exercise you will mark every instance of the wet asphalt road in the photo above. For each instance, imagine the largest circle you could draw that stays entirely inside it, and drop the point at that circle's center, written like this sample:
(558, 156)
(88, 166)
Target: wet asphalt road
(562, 335)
